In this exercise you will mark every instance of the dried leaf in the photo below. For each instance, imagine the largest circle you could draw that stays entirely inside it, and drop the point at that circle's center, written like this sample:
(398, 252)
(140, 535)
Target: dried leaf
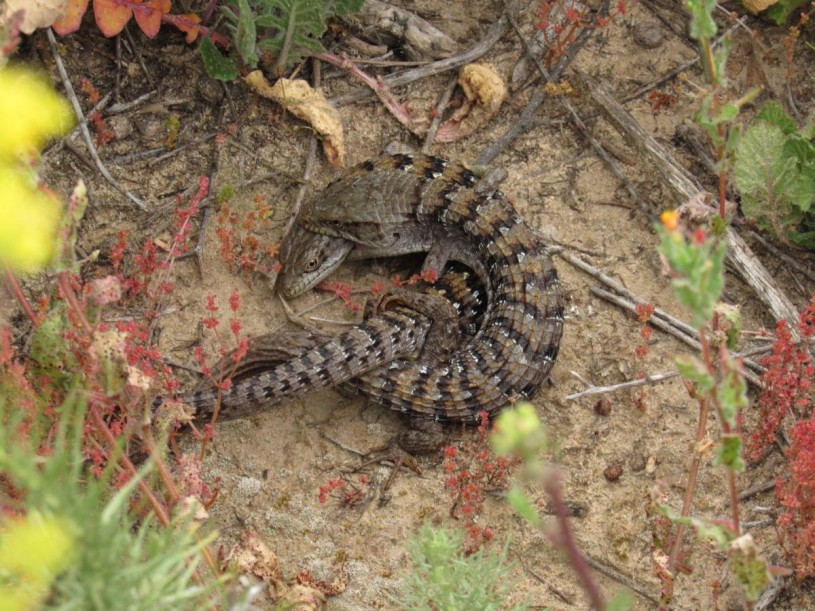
(149, 19)
(111, 17)
(311, 106)
(38, 13)
(756, 6)
(485, 91)
(72, 19)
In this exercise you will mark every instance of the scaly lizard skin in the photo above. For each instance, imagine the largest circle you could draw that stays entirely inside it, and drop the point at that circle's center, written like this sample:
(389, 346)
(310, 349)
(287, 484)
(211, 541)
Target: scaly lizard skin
(285, 365)
(373, 207)
(405, 324)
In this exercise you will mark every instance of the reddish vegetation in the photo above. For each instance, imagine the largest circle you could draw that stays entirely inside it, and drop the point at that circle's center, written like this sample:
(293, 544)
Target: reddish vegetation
(472, 472)
(787, 400)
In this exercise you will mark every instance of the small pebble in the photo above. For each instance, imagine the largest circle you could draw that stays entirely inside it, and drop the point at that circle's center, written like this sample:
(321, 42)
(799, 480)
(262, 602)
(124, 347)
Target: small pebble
(613, 473)
(602, 407)
(648, 35)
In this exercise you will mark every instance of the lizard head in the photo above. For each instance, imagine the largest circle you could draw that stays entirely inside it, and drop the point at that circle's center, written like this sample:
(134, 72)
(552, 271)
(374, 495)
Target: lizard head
(308, 258)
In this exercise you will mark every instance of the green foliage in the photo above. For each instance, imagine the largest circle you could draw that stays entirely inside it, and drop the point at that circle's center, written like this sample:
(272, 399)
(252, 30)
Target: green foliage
(751, 570)
(700, 271)
(702, 24)
(217, 66)
(775, 174)
(781, 10)
(444, 578)
(106, 558)
(288, 30)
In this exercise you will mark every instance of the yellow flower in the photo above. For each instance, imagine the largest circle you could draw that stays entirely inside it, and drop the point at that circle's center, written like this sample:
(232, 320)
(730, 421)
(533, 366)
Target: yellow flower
(30, 112)
(34, 550)
(670, 219)
(30, 218)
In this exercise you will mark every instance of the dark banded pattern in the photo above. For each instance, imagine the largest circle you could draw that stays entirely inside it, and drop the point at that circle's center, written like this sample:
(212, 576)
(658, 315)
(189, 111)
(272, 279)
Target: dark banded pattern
(514, 350)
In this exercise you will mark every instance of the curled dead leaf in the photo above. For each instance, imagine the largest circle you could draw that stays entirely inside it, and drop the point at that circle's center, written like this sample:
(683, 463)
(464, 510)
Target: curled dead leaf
(308, 104)
(38, 13)
(253, 557)
(756, 6)
(485, 92)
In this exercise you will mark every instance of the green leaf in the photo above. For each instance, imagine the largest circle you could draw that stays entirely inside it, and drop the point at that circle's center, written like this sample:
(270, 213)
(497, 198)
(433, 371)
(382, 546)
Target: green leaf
(246, 34)
(729, 453)
(218, 66)
(523, 506)
(705, 528)
(732, 323)
(772, 112)
(701, 22)
(728, 112)
(296, 27)
(781, 11)
(343, 7)
(693, 369)
(751, 570)
(769, 181)
(732, 391)
(622, 601)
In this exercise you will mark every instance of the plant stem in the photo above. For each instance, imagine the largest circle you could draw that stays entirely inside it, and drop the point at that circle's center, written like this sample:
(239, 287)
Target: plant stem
(16, 290)
(569, 545)
(693, 474)
(64, 282)
(101, 425)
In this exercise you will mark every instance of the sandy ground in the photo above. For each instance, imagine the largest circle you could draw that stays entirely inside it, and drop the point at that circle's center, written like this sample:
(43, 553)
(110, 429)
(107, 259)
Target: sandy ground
(271, 465)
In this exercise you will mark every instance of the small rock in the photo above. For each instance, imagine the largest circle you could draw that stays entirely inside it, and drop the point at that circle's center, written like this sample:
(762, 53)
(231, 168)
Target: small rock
(613, 472)
(648, 35)
(602, 407)
(122, 126)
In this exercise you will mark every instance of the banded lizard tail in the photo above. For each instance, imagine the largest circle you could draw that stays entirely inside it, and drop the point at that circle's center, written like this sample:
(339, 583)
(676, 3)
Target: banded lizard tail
(378, 202)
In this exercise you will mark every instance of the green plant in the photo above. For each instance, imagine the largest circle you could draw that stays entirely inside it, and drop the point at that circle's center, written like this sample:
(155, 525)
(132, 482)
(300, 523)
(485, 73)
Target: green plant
(78, 542)
(518, 431)
(714, 380)
(443, 577)
(775, 174)
(285, 29)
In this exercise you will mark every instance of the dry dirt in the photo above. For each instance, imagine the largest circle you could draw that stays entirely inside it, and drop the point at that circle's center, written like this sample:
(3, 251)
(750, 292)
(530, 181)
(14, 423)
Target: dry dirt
(271, 465)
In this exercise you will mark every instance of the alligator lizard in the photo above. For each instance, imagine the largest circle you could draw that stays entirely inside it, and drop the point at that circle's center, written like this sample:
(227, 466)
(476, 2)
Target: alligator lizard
(373, 207)
(402, 324)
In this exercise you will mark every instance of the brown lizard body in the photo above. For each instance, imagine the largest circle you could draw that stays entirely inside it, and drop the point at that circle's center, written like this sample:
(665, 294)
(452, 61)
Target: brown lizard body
(375, 205)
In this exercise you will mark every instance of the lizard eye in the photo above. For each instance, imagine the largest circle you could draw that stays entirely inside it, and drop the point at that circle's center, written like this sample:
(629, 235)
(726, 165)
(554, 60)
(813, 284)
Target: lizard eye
(335, 222)
(311, 265)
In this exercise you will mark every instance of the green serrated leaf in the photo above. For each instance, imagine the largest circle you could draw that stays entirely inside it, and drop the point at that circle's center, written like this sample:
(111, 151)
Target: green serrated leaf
(803, 150)
(772, 112)
(768, 180)
(218, 66)
(694, 369)
(728, 453)
(296, 27)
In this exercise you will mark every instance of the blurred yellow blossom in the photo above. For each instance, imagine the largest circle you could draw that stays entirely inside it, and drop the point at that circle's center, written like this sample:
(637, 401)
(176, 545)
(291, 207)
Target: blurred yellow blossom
(30, 218)
(30, 113)
(33, 550)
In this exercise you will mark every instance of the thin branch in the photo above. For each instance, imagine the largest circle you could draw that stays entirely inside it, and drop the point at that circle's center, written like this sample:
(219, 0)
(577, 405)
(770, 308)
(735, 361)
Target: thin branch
(83, 126)
(451, 63)
(601, 390)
